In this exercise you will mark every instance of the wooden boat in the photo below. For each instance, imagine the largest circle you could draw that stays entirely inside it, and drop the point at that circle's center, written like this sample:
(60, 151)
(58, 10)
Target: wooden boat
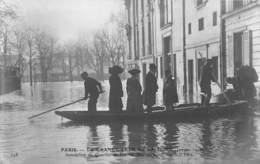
(181, 112)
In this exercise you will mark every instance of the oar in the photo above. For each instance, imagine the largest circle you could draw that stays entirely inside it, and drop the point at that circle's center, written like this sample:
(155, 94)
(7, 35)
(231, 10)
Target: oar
(56, 108)
(224, 94)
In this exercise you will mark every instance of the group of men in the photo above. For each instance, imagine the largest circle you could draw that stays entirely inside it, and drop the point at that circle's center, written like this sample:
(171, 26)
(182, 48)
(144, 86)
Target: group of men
(243, 85)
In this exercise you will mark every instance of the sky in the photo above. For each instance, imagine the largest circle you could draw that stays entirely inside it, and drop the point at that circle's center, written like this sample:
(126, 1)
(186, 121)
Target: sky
(68, 18)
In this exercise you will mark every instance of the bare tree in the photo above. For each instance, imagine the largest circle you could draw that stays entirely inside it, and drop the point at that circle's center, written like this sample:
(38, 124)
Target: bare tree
(98, 56)
(19, 43)
(45, 47)
(30, 42)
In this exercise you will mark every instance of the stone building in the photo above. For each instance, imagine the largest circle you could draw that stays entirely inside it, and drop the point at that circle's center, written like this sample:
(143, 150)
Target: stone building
(242, 34)
(179, 35)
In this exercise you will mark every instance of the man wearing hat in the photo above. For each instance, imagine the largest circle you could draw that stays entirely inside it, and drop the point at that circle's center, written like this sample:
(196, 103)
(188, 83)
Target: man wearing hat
(92, 90)
(116, 91)
(205, 82)
(134, 89)
(151, 88)
(170, 94)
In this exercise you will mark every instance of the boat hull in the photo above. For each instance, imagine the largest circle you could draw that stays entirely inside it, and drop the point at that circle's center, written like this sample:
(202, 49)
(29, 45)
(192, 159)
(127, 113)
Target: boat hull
(182, 112)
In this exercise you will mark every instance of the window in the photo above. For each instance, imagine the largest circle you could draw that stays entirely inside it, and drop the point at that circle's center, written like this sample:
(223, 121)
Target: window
(162, 10)
(150, 37)
(215, 18)
(189, 28)
(165, 12)
(143, 40)
(201, 24)
(237, 4)
(161, 66)
(142, 6)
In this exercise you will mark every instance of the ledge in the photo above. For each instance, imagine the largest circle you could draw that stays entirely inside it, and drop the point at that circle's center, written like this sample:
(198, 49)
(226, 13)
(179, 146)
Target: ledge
(243, 9)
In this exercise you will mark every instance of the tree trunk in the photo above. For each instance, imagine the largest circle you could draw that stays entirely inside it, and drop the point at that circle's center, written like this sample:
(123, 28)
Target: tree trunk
(30, 65)
(70, 69)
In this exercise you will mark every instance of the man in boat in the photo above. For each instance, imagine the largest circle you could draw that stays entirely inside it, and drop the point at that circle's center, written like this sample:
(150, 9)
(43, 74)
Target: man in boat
(247, 76)
(134, 91)
(169, 91)
(151, 88)
(92, 90)
(205, 82)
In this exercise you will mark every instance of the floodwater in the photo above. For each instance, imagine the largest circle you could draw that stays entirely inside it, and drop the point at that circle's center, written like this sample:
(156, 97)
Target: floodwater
(50, 140)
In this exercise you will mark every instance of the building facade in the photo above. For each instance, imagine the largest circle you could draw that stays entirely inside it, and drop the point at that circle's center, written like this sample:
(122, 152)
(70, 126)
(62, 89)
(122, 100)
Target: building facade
(179, 35)
(242, 34)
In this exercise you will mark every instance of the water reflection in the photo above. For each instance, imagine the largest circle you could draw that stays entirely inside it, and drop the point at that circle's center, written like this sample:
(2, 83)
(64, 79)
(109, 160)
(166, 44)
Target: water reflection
(223, 140)
(211, 140)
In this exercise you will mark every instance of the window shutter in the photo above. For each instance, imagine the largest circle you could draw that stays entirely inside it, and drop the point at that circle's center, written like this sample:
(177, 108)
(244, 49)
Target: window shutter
(247, 48)
(230, 56)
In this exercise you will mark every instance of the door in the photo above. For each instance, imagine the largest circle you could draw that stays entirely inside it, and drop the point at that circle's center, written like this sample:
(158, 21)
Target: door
(144, 74)
(190, 80)
(238, 51)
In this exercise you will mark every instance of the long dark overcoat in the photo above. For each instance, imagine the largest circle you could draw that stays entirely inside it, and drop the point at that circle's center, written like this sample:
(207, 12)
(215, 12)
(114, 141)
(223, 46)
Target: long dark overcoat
(115, 94)
(134, 98)
(150, 90)
(170, 91)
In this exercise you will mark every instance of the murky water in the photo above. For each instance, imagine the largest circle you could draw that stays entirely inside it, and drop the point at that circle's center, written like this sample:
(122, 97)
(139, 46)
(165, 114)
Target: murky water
(50, 140)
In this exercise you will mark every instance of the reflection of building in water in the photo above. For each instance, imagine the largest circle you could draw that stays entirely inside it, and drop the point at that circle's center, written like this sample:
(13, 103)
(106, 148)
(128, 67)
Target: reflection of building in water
(210, 140)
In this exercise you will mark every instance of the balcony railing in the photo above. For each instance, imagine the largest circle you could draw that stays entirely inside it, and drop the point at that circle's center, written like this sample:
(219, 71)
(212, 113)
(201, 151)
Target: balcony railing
(233, 5)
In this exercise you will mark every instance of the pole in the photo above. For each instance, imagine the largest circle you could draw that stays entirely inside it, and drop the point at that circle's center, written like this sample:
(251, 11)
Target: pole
(55, 108)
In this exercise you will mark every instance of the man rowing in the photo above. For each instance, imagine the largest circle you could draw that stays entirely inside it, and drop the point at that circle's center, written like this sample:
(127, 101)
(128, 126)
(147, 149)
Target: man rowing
(92, 90)
(205, 82)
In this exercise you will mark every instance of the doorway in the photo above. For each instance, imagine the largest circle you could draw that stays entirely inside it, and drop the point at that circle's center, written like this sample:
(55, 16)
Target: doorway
(238, 50)
(190, 80)
(144, 74)
(167, 55)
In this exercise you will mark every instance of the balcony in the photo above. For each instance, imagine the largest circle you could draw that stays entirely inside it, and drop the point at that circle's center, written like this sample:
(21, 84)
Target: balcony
(234, 5)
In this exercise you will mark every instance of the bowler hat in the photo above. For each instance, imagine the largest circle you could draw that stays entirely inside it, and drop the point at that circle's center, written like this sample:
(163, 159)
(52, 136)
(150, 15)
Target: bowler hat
(84, 75)
(115, 70)
(134, 71)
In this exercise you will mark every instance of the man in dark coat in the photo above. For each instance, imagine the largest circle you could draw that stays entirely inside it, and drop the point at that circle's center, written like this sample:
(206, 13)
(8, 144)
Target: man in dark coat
(205, 82)
(170, 91)
(134, 89)
(116, 91)
(246, 78)
(151, 88)
(92, 90)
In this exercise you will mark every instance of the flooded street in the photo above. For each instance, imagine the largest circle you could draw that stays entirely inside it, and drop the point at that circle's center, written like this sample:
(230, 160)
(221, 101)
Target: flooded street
(50, 140)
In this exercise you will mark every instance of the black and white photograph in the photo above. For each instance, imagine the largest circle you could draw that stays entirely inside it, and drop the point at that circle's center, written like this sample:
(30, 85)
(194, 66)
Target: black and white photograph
(129, 81)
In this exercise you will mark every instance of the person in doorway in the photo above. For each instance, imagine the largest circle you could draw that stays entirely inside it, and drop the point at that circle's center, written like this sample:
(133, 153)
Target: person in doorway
(247, 76)
(169, 91)
(92, 90)
(205, 82)
(116, 91)
(134, 89)
(151, 88)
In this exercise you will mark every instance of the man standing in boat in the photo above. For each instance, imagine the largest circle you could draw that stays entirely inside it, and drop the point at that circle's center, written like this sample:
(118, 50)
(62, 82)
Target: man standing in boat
(92, 90)
(170, 94)
(134, 91)
(151, 88)
(205, 82)
(247, 76)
